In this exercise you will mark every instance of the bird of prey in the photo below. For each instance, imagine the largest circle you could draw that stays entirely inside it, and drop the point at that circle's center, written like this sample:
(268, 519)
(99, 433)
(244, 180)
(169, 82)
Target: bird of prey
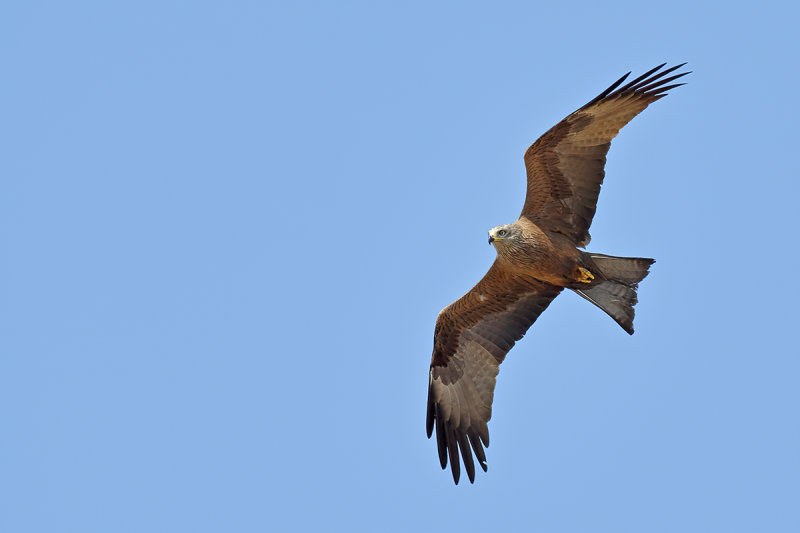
(537, 257)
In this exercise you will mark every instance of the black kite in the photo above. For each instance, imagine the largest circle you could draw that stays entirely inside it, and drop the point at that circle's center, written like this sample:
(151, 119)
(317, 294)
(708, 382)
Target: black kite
(537, 257)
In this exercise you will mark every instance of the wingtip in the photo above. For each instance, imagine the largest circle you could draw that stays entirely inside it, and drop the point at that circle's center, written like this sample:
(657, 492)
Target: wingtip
(429, 423)
(651, 83)
(443, 461)
(456, 475)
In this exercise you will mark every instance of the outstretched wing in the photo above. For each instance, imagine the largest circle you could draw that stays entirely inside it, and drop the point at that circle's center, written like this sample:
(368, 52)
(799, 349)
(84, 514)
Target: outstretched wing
(565, 165)
(472, 337)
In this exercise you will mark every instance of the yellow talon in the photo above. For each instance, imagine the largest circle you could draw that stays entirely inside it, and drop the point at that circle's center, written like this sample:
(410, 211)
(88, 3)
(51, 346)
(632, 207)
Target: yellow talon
(586, 276)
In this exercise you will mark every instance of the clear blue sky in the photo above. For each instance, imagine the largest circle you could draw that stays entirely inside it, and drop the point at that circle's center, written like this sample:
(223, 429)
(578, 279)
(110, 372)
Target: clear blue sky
(227, 229)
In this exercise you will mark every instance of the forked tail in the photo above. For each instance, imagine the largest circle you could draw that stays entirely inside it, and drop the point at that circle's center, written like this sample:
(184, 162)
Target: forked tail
(616, 294)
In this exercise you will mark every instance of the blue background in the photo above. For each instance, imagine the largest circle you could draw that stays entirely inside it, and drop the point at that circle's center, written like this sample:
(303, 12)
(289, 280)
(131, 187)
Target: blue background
(227, 229)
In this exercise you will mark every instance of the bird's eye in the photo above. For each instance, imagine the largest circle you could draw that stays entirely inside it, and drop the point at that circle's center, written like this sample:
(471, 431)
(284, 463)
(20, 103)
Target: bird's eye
(502, 233)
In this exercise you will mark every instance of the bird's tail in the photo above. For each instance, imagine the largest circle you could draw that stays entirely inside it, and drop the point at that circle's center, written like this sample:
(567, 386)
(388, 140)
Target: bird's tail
(616, 292)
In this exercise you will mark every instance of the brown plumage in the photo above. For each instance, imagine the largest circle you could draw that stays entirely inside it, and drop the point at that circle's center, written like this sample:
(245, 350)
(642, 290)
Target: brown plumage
(537, 257)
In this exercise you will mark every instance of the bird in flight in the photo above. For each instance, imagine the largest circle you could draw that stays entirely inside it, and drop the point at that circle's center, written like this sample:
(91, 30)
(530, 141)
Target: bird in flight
(537, 257)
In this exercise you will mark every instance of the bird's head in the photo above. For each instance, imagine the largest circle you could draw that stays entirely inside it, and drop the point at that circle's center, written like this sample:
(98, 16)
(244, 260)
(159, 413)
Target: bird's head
(502, 236)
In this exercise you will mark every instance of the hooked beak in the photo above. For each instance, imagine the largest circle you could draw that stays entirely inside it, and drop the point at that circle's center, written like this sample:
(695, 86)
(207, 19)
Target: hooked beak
(491, 239)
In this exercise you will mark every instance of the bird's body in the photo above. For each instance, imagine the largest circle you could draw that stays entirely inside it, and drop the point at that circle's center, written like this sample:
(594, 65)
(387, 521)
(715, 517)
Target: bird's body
(538, 256)
(527, 250)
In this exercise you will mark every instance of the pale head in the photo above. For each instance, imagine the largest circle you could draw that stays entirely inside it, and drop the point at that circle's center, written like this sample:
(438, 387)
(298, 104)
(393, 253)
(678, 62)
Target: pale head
(505, 235)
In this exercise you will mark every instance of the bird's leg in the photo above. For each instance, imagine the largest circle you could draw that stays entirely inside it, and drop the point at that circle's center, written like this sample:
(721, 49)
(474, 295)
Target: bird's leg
(585, 275)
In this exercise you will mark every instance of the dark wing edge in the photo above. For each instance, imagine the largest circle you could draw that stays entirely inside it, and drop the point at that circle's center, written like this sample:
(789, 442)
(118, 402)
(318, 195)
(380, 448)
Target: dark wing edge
(472, 337)
(643, 85)
(565, 166)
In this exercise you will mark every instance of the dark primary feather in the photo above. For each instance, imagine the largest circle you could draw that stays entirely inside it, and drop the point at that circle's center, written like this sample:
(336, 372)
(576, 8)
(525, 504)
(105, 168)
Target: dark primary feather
(565, 166)
(472, 337)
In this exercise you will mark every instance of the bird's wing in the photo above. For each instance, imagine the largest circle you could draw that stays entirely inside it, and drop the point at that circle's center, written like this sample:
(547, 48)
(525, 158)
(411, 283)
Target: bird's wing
(565, 165)
(472, 337)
